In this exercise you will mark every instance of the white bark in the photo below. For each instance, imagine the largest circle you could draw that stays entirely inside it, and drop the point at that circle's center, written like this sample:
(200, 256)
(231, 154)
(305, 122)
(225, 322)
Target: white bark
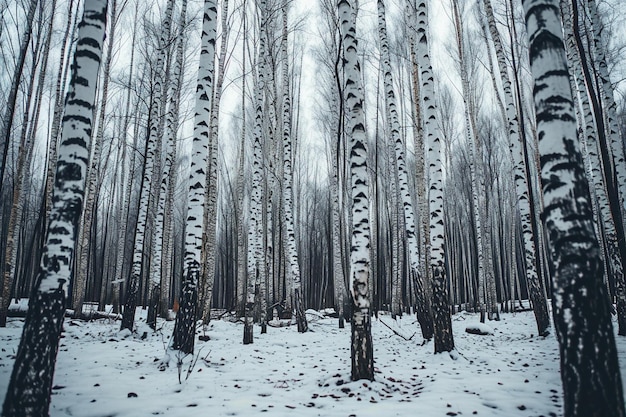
(126, 185)
(540, 307)
(582, 320)
(362, 351)
(606, 90)
(441, 310)
(194, 226)
(293, 268)
(35, 359)
(255, 233)
(152, 165)
(206, 292)
(595, 166)
(241, 258)
(84, 234)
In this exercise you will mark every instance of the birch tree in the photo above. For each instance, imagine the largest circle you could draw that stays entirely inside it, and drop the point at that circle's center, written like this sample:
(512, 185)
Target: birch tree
(594, 162)
(399, 165)
(255, 234)
(152, 165)
(125, 195)
(589, 369)
(241, 257)
(36, 355)
(159, 270)
(70, 28)
(606, 143)
(362, 352)
(292, 250)
(184, 330)
(539, 302)
(606, 91)
(169, 173)
(208, 274)
(84, 234)
(332, 59)
(444, 341)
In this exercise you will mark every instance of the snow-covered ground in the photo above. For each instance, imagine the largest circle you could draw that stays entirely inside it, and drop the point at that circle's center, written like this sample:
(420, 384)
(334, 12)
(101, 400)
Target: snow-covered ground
(102, 372)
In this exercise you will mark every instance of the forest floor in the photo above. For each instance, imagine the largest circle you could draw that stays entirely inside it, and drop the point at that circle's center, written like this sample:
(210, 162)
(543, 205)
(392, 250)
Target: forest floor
(103, 372)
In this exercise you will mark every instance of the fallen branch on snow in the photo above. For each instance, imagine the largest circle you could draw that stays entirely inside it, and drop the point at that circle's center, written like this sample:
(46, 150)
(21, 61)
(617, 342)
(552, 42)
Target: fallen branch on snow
(396, 332)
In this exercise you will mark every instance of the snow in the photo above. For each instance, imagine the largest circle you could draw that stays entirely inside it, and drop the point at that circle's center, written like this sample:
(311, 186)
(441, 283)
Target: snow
(103, 372)
(478, 328)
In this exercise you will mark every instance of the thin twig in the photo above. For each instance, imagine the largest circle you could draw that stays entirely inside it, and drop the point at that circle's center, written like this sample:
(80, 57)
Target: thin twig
(395, 332)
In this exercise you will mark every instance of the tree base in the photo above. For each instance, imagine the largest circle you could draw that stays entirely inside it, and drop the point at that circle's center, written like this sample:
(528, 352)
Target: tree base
(36, 357)
(362, 346)
(248, 336)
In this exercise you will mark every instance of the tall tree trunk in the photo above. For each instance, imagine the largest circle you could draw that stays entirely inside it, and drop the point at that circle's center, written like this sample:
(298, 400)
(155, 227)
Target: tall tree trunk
(589, 369)
(184, 330)
(475, 163)
(208, 274)
(36, 355)
(255, 235)
(70, 28)
(160, 172)
(610, 112)
(444, 341)
(400, 173)
(128, 184)
(171, 133)
(610, 203)
(418, 142)
(536, 293)
(597, 178)
(83, 247)
(241, 258)
(362, 352)
(152, 165)
(293, 267)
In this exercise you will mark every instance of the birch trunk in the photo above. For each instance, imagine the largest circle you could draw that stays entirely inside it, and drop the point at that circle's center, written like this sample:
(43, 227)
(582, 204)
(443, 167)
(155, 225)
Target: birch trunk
(208, 270)
(612, 164)
(171, 133)
(362, 352)
(612, 122)
(85, 231)
(589, 369)
(485, 274)
(536, 293)
(184, 329)
(255, 235)
(58, 105)
(126, 195)
(151, 165)
(399, 174)
(160, 172)
(418, 142)
(293, 267)
(241, 258)
(444, 341)
(36, 355)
